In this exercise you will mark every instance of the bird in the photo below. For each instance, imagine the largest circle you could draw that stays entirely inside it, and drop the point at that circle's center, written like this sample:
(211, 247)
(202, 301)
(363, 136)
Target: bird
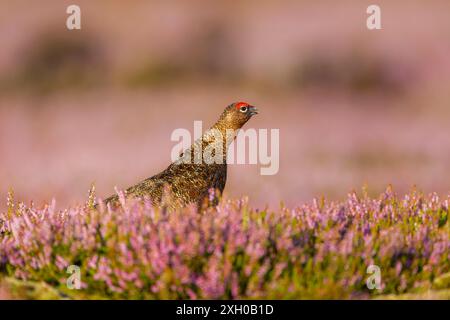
(199, 169)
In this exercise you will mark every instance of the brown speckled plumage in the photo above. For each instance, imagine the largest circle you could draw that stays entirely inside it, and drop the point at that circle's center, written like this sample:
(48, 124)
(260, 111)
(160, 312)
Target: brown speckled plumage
(184, 181)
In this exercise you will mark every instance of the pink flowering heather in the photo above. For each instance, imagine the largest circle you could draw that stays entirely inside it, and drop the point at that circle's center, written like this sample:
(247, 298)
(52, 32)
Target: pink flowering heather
(317, 250)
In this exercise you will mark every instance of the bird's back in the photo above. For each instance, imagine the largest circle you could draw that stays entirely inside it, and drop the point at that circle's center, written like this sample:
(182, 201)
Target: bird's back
(180, 184)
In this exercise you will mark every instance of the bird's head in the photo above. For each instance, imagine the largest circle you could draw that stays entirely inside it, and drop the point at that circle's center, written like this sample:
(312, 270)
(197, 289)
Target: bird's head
(237, 114)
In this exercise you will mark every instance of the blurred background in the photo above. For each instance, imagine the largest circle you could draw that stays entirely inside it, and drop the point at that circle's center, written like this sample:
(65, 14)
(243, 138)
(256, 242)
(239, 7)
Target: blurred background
(353, 106)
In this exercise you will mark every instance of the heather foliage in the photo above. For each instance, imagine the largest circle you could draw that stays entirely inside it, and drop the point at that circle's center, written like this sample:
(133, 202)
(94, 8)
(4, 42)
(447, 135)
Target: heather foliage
(317, 250)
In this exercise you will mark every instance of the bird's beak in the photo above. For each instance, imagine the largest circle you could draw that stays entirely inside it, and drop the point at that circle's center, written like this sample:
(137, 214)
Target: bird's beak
(252, 110)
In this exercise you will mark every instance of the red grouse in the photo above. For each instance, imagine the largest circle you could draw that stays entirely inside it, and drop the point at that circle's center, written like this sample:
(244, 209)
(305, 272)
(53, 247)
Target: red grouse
(199, 168)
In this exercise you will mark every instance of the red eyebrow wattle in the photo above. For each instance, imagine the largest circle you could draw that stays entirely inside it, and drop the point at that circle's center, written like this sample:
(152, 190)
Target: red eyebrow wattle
(241, 104)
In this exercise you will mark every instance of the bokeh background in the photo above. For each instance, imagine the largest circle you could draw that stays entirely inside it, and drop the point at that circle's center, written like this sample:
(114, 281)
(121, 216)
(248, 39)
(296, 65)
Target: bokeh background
(353, 106)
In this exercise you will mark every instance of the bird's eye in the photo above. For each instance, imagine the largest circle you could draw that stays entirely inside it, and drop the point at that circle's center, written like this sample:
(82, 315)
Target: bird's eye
(243, 109)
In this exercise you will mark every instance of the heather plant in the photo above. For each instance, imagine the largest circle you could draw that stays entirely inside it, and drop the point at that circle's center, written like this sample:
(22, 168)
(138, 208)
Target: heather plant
(231, 251)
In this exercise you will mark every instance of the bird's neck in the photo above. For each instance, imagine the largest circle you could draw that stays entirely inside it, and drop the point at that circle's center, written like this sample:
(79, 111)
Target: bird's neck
(225, 130)
(215, 142)
(212, 147)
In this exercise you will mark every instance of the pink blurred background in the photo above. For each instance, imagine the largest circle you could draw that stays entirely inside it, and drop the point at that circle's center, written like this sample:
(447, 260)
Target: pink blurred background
(353, 106)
